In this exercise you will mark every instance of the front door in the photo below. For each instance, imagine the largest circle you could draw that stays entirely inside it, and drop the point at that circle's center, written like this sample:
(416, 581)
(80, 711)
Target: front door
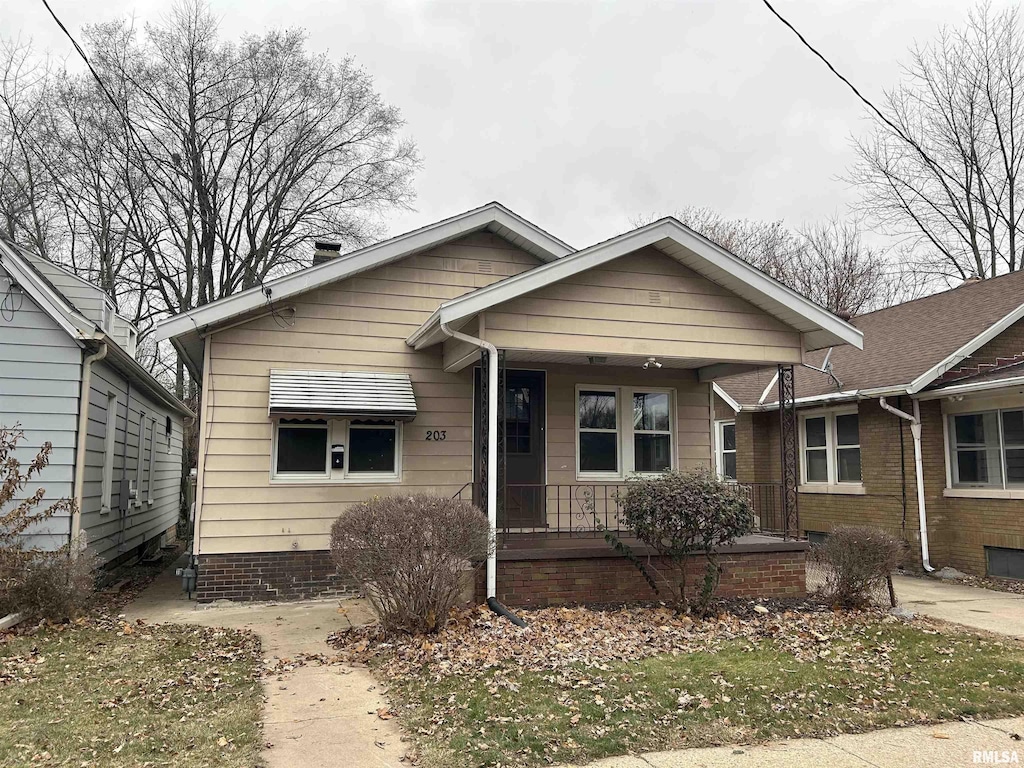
(525, 494)
(521, 503)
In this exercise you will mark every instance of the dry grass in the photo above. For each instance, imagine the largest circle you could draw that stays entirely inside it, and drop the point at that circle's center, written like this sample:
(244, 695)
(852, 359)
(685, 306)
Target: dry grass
(578, 685)
(99, 693)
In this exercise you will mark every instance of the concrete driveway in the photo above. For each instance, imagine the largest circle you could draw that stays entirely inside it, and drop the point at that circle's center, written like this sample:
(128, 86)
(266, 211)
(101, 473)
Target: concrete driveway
(1000, 612)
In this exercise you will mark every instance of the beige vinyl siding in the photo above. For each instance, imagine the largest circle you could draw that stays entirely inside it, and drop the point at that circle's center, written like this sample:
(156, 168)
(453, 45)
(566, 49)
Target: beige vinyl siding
(357, 324)
(645, 303)
(106, 533)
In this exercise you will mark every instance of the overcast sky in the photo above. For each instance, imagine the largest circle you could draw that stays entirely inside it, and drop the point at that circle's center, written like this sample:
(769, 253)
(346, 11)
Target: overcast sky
(581, 115)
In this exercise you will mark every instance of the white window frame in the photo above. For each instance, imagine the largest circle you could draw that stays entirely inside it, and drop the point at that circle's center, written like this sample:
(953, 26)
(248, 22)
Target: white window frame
(624, 446)
(140, 461)
(720, 450)
(152, 455)
(831, 484)
(338, 432)
(109, 446)
(950, 446)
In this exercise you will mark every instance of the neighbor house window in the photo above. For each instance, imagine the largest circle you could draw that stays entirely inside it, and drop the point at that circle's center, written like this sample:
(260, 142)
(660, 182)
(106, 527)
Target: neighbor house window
(337, 449)
(987, 449)
(152, 457)
(109, 445)
(140, 462)
(725, 453)
(611, 443)
(831, 448)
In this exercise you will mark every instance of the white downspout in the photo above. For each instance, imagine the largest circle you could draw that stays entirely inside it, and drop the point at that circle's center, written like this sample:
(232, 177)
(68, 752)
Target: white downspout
(492, 452)
(83, 427)
(915, 430)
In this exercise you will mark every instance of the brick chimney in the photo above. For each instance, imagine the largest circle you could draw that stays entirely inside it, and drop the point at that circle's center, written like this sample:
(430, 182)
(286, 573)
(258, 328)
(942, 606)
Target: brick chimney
(325, 251)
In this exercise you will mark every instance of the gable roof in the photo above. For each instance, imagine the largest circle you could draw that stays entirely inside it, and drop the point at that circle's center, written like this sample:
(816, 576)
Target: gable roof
(907, 347)
(83, 331)
(493, 217)
(818, 326)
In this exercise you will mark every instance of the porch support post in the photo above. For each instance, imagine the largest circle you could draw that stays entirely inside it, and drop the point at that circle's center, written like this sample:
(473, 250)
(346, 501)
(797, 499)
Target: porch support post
(788, 449)
(492, 452)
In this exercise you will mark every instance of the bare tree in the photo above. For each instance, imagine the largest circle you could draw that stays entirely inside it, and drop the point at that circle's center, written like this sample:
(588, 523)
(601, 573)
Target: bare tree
(827, 262)
(203, 167)
(948, 178)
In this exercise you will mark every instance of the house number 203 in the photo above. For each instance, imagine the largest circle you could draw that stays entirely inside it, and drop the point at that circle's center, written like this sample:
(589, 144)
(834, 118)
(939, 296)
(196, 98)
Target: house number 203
(437, 434)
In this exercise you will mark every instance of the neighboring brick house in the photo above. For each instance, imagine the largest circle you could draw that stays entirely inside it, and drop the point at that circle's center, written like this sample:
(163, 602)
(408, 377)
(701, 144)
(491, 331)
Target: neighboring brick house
(955, 362)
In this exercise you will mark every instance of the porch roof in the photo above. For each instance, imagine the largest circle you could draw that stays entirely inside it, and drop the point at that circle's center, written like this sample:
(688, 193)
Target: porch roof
(818, 327)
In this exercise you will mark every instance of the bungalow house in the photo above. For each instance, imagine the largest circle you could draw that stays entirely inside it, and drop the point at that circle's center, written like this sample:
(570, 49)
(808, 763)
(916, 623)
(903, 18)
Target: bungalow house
(68, 375)
(479, 356)
(921, 433)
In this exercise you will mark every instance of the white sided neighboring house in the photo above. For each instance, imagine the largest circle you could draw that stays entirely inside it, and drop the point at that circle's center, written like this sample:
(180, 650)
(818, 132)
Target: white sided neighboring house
(68, 375)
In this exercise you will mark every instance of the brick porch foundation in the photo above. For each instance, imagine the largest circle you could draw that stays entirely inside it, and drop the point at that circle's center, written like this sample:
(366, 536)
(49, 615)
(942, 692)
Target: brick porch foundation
(269, 576)
(538, 578)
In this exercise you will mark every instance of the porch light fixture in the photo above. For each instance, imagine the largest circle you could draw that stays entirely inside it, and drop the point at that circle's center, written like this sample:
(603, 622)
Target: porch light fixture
(651, 361)
(597, 359)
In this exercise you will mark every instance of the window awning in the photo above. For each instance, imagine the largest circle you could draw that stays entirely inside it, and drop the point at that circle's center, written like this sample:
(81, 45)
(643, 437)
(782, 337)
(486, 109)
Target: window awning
(355, 394)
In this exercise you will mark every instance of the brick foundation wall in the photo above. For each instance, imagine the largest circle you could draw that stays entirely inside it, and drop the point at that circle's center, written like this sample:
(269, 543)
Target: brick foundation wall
(610, 578)
(269, 576)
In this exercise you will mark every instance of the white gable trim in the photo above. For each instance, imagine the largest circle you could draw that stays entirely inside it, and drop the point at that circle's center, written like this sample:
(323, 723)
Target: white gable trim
(725, 397)
(517, 229)
(52, 303)
(965, 351)
(817, 318)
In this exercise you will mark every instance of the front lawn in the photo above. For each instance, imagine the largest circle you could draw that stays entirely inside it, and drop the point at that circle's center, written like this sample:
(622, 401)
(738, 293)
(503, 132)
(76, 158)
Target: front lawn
(101, 693)
(578, 685)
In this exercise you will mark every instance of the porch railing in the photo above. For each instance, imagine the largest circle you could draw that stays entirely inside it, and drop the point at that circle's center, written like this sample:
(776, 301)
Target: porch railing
(582, 510)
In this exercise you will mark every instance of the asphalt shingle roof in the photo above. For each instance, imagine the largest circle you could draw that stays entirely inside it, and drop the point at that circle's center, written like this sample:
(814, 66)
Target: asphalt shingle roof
(900, 342)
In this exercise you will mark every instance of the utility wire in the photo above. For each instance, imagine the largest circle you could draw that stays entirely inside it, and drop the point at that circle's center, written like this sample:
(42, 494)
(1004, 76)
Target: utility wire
(895, 128)
(267, 293)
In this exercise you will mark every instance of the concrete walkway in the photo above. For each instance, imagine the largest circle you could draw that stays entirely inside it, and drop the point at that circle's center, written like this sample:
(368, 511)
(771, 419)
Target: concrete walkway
(314, 715)
(999, 612)
(949, 745)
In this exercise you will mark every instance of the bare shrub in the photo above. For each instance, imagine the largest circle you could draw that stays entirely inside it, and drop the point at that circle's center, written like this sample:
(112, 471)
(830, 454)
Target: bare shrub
(858, 561)
(682, 516)
(53, 585)
(409, 555)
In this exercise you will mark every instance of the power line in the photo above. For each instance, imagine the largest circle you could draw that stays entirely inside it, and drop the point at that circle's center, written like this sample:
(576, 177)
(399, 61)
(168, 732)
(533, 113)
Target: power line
(895, 128)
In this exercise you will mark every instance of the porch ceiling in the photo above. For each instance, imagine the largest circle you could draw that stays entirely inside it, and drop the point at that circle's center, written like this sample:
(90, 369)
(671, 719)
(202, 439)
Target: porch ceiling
(610, 361)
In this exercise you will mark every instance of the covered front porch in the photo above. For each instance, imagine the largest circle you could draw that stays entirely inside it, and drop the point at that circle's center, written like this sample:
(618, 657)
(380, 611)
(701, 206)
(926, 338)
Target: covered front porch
(569, 437)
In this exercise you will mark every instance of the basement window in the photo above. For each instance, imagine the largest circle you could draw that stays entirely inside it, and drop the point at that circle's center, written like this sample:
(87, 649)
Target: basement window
(1004, 563)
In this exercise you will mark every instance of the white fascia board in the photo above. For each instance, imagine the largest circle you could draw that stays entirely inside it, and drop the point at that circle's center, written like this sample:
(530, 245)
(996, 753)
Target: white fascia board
(854, 394)
(725, 397)
(362, 260)
(602, 253)
(963, 389)
(965, 351)
(48, 300)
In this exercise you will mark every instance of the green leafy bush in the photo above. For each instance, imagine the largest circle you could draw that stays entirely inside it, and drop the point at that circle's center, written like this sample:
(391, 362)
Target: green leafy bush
(683, 516)
(410, 555)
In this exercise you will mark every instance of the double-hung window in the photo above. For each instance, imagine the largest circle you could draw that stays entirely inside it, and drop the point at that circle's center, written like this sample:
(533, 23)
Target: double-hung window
(355, 450)
(725, 449)
(621, 430)
(830, 448)
(987, 449)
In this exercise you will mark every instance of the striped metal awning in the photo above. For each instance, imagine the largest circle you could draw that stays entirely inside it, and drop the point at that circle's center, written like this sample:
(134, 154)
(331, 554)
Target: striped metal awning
(355, 394)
